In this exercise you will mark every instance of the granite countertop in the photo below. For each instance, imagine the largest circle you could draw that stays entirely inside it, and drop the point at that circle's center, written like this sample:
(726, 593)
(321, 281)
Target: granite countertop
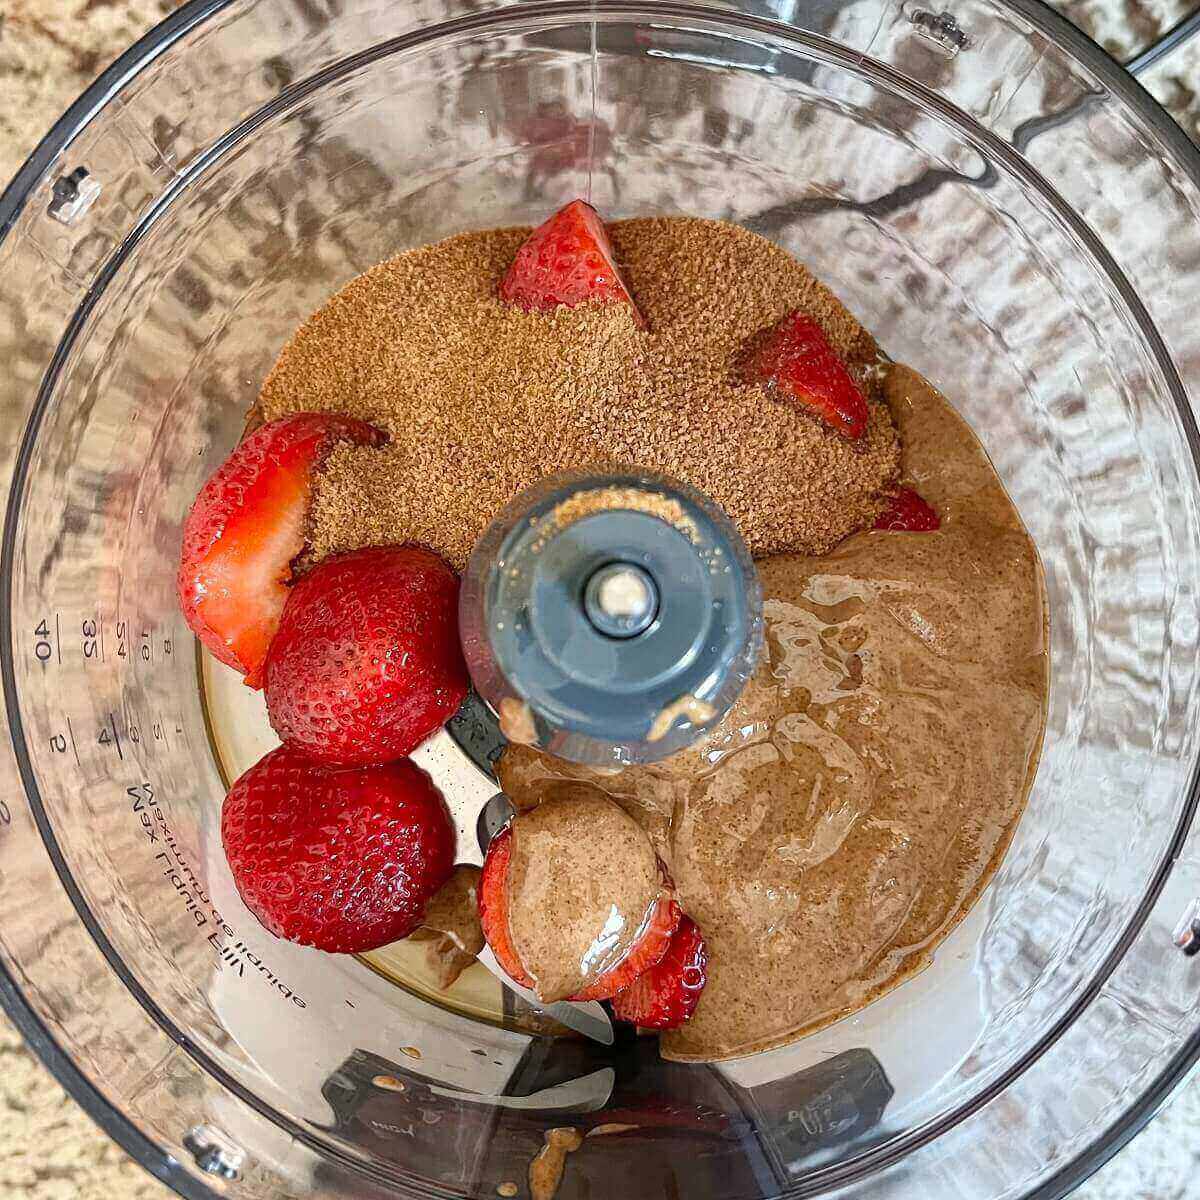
(49, 50)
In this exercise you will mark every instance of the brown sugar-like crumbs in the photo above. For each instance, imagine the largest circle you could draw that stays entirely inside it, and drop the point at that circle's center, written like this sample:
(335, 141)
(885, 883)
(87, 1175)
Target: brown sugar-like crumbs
(482, 400)
(584, 503)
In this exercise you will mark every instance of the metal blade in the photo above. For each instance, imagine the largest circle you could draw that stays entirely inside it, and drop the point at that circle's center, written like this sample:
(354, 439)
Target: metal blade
(588, 1094)
(476, 731)
(587, 1018)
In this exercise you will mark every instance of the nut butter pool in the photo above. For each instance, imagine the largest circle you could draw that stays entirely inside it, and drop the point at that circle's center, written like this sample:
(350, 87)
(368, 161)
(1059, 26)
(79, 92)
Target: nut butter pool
(845, 815)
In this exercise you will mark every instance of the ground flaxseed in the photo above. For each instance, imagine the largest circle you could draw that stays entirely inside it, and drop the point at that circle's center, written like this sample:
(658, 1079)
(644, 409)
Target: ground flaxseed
(482, 400)
(585, 503)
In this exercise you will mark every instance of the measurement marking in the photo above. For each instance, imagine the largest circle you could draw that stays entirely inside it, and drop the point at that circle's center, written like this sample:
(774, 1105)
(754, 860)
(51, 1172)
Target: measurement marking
(130, 726)
(162, 723)
(100, 622)
(112, 720)
(58, 639)
(74, 748)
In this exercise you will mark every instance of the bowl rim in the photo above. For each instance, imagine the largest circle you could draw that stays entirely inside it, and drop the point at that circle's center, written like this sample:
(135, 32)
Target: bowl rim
(113, 1121)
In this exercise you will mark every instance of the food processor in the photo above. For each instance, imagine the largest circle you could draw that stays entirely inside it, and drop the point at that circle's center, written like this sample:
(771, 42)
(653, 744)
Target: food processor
(999, 204)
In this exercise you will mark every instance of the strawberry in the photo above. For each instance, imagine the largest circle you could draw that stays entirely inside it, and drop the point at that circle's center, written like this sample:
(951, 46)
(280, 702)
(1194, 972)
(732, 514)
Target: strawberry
(493, 907)
(245, 528)
(341, 858)
(567, 260)
(795, 359)
(645, 953)
(908, 513)
(649, 948)
(367, 663)
(665, 996)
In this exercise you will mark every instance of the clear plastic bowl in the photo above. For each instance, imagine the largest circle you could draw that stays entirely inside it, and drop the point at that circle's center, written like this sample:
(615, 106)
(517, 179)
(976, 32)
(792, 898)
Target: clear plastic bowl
(998, 202)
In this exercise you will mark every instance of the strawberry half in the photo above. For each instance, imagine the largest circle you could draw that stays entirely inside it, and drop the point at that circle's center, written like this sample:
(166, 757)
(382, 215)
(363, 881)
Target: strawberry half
(345, 859)
(651, 945)
(493, 907)
(795, 360)
(649, 950)
(908, 513)
(245, 528)
(667, 994)
(567, 260)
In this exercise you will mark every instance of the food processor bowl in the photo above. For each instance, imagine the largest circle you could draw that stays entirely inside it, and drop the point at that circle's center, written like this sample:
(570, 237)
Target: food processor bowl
(1000, 204)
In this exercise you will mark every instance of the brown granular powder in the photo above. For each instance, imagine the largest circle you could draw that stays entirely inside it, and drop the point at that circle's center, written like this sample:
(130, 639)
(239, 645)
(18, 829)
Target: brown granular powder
(593, 500)
(482, 400)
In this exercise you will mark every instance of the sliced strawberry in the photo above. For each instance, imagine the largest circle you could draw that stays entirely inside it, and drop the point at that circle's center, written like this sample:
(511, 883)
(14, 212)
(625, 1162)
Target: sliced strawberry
(645, 953)
(567, 260)
(908, 513)
(245, 528)
(649, 949)
(493, 907)
(667, 994)
(795, 360)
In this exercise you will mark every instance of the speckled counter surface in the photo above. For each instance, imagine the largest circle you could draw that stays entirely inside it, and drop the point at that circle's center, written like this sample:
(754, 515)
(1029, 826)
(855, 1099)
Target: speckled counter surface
(49, 50)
